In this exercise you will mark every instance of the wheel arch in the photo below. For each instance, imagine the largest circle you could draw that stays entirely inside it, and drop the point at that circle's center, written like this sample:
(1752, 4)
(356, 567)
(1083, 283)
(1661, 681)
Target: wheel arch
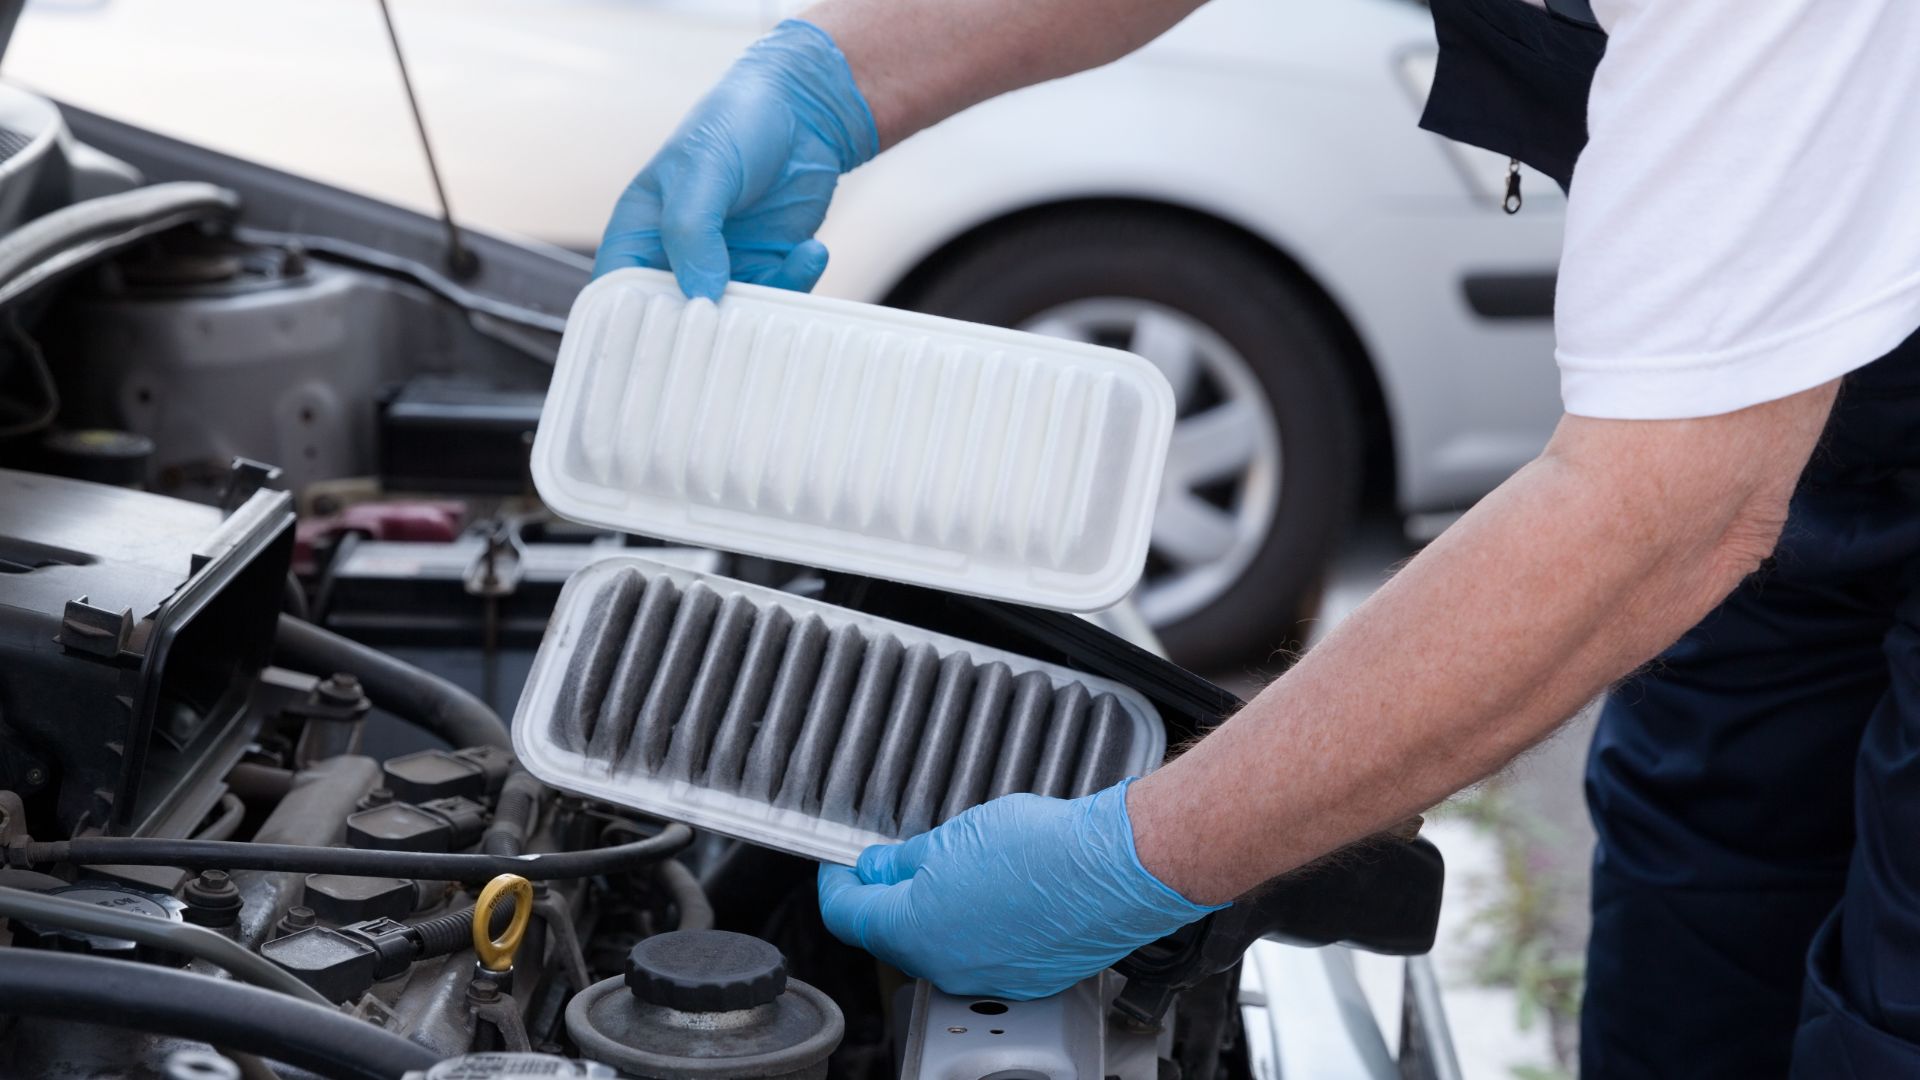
(1379, 472)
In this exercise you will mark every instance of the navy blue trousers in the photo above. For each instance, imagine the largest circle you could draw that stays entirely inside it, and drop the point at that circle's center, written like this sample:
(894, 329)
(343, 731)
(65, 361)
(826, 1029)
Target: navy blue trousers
(1756, 891)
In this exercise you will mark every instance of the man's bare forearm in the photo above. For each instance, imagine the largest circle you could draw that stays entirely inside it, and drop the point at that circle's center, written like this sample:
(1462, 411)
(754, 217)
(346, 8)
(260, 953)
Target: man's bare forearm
(1580, 568)
(920, 61)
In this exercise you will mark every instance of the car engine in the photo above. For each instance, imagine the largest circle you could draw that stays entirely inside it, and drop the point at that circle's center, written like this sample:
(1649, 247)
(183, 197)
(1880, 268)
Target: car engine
(271, 572)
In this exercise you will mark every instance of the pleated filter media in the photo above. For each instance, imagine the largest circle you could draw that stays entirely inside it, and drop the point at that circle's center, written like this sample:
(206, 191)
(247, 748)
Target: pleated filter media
(857, 438)
(800, 725)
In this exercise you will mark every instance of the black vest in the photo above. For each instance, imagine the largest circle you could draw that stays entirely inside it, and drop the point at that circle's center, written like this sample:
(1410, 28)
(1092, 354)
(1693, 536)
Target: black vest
(1514, 79)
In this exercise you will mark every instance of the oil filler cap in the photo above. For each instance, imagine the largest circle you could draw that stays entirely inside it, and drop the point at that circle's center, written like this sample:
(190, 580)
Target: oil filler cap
(706, 971)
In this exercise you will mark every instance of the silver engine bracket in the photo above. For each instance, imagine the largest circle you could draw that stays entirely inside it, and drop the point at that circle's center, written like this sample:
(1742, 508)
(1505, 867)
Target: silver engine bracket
(1063, 1037)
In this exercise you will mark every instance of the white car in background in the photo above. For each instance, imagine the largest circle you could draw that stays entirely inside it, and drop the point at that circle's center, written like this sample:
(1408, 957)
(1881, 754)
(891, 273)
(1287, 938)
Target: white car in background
(1340, 303)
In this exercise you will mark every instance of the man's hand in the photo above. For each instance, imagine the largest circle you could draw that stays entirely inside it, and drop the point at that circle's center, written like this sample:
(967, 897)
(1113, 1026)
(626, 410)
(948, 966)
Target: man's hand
(739, 190)
(1018, 898)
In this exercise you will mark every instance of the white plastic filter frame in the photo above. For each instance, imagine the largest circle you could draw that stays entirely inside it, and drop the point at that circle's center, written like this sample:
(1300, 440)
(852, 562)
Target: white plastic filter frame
(859, 438)
(725, 812)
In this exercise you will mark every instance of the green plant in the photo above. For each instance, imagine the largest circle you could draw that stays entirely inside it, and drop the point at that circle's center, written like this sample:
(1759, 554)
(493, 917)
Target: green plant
(1523, 952)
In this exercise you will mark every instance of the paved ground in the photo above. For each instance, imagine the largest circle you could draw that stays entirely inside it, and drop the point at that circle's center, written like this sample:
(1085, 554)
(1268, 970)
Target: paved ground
(1515, 919)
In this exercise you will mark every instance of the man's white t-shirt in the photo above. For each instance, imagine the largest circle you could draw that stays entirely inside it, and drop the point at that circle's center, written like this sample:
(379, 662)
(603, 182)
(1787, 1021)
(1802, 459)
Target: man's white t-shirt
(1745, 221)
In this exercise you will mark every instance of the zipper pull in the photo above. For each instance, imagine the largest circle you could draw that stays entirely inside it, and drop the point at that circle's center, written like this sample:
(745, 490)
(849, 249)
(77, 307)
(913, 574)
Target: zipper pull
(1511, 204)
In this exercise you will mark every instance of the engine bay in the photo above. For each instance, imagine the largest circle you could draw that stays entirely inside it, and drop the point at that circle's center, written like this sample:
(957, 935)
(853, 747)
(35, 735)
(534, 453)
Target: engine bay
(271, 575)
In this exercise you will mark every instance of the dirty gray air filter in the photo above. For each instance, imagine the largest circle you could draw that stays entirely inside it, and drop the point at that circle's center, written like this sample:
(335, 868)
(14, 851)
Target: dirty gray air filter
(800, 725)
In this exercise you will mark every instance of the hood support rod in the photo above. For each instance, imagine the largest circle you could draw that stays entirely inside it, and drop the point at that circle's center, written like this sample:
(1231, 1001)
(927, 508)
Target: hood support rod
(461, 260)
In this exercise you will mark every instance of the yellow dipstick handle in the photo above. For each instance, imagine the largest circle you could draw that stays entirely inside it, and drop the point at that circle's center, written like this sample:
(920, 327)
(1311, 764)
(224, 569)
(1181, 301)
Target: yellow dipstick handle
(496, 954)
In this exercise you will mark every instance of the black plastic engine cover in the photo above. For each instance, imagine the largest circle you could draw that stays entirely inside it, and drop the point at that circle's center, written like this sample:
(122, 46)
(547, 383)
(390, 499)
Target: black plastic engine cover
(131, 628)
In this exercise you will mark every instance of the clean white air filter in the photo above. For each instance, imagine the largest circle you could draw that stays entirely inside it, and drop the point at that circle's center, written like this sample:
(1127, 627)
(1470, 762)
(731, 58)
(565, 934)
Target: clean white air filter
(856, 438)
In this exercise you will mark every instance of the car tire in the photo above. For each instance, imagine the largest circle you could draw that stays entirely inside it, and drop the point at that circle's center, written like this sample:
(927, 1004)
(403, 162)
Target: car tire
(1053, 272)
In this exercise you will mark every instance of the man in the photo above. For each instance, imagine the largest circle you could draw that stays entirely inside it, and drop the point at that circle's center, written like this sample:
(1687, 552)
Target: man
(1743, 233)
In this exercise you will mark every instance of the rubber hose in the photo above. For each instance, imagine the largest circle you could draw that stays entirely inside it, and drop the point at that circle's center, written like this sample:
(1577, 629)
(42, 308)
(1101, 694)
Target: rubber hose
(417, 696)
(173, 937)
(232, 813)
(445, 934)
(142, 997)
(689, 899)
(513, 814)
(255, 782)
(63, 241)
(453, 931)
(355, 862)
(293, 599)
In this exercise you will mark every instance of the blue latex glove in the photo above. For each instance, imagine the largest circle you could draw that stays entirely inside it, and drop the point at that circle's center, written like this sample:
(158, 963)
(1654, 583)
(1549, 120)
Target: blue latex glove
(1018, 898)
(741, 186)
